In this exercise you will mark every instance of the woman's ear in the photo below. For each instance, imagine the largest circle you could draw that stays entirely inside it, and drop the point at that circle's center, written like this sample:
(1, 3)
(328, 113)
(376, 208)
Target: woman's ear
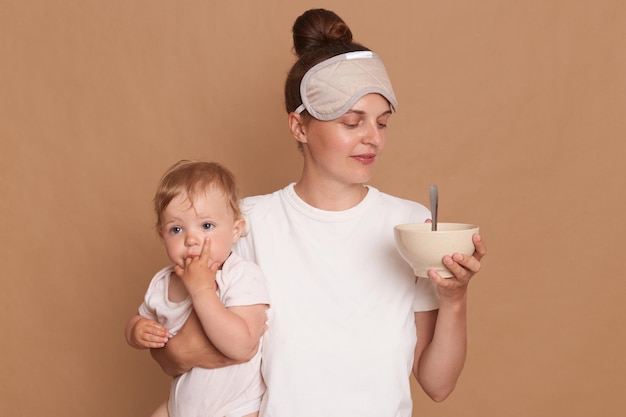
(297, 127)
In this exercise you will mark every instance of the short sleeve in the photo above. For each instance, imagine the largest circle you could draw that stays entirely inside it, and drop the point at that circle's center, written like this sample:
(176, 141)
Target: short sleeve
(155, 294)
(243, 284)
(426, 298)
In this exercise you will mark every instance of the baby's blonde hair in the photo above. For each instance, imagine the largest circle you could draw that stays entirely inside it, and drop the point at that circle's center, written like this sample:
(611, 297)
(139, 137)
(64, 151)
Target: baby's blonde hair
(193, 178)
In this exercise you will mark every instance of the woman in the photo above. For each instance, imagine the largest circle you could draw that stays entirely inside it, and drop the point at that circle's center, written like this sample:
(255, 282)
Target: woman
(349, 321)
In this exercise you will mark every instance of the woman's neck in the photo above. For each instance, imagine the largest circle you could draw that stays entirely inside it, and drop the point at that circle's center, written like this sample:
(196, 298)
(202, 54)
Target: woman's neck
(330, 196)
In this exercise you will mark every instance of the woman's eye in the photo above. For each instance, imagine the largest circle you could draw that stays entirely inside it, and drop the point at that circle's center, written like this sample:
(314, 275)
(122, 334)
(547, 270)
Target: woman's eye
(350, 121)
(207, 226)
(176, 229)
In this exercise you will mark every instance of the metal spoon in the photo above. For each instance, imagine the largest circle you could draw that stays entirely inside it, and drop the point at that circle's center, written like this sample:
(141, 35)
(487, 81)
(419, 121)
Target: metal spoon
(434, 203)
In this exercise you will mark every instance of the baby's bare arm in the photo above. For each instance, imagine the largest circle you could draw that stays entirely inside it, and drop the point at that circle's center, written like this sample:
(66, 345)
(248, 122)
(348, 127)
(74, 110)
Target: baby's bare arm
(191, 348)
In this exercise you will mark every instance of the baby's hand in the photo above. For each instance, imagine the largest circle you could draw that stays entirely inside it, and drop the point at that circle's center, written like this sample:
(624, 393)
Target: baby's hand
(199, 272)
(148, 334)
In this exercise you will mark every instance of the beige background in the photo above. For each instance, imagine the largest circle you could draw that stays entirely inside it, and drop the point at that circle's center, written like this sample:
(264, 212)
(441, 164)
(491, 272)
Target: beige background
(514, 108)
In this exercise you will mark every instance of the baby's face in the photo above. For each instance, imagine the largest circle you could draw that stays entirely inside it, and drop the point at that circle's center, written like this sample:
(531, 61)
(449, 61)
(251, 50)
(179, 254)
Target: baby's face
(187, 223)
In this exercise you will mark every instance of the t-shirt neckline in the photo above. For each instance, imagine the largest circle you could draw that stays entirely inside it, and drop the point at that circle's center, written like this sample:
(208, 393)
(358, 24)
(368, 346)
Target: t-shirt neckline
(308, 210)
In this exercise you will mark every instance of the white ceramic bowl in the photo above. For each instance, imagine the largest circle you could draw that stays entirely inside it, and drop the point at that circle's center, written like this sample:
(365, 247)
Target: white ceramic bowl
(424, 249)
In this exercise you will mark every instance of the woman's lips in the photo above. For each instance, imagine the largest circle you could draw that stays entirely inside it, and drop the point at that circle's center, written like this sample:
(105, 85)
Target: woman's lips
(366, 159)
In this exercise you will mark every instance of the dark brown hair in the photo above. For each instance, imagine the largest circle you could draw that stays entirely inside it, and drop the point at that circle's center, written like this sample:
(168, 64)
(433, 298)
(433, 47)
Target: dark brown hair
(318, 34)
(192, 178)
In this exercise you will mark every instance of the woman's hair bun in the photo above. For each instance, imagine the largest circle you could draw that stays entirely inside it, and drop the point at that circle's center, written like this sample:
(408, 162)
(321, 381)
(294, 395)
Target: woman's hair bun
(316, 28)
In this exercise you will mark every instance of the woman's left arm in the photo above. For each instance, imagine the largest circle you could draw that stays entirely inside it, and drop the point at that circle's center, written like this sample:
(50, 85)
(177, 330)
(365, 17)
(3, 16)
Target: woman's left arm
(442, 334)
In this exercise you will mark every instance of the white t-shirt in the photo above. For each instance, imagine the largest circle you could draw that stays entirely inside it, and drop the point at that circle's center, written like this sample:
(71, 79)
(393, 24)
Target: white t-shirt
(205, 392)
(341, 334)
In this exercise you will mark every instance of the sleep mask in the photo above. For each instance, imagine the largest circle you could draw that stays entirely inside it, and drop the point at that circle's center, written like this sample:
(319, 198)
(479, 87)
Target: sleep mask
(330, 88)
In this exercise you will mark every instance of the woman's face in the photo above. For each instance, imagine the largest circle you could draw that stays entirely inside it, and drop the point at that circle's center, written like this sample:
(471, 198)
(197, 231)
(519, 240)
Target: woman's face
(344, 150)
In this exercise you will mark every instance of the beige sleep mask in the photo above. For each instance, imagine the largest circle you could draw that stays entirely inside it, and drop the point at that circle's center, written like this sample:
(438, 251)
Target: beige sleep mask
(330, 88)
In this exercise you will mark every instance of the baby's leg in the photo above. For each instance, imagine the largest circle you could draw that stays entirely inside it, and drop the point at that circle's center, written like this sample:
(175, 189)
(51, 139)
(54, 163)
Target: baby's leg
(161, 411)
(255, 414)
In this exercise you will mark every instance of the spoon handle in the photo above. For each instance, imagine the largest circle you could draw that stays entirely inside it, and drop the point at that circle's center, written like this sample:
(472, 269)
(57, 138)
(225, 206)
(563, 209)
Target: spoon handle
(434, 203)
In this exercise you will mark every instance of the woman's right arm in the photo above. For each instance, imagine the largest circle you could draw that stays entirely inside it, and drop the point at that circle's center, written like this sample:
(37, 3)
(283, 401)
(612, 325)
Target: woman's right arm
(190, 348)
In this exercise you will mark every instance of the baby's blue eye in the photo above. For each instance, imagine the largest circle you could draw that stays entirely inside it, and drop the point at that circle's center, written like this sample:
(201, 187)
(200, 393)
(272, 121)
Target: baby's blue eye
(207, 226)
(176, 229)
